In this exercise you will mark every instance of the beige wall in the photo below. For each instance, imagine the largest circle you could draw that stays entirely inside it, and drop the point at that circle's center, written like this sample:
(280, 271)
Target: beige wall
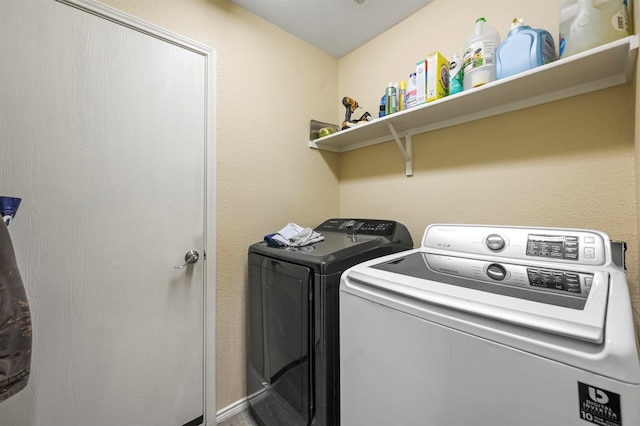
(569, 163)
(269, 84)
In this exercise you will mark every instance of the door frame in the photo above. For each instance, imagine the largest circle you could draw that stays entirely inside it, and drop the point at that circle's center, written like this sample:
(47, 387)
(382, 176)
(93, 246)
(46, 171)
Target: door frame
(209, 296)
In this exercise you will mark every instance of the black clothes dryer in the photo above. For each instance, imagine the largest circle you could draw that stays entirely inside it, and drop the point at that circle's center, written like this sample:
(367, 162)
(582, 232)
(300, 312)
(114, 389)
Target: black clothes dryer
(292, 336)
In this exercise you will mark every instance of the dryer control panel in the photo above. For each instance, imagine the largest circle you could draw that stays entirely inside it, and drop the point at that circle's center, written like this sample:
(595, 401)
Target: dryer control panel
(359, 226)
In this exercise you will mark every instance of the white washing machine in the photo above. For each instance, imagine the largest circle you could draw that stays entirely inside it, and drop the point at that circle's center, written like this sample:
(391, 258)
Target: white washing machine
(490, 325)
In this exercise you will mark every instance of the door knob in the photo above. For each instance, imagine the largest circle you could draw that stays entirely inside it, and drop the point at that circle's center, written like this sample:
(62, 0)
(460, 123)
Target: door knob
(190, 258)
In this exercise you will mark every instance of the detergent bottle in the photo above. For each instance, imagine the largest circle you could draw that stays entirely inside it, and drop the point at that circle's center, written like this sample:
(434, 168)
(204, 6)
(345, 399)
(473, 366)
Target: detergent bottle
(523, 49)
(585, 24)
(478, 60)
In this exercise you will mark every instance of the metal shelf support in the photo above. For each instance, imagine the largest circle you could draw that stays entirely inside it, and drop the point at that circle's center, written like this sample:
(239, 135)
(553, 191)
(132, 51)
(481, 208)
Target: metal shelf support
(405, 149)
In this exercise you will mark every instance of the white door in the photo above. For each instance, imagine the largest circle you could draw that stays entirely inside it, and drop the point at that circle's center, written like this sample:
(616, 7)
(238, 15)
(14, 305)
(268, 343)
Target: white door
(105, 135)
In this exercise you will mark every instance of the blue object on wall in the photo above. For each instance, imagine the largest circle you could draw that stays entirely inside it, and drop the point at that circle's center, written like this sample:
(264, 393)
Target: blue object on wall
(8, 208)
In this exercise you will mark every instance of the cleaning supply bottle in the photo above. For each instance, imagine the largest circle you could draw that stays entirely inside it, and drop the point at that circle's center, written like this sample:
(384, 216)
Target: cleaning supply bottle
(455, 74)
(391, 99)
(523, 49)
(402, 96)
(383, 105)
(478, 59)
(396, 86)
(585, 24)
(412, 91)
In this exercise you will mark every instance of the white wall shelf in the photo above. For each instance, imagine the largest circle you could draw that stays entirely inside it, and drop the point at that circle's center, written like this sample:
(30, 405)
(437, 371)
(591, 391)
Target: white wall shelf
(605, 66)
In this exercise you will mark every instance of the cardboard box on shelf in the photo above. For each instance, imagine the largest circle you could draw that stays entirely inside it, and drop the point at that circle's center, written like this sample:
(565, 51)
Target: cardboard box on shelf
(437, 76)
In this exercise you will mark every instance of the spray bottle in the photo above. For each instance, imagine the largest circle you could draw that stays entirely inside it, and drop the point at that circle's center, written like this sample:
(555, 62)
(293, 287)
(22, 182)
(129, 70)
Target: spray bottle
(402, 96)
(455, 74)
(412, 92)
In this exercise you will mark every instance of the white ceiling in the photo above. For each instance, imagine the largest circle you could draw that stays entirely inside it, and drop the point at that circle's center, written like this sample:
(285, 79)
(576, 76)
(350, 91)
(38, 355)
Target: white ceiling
(334, 26)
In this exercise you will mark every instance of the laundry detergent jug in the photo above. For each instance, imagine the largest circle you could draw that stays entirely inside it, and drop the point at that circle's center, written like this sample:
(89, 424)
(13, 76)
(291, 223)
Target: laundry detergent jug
(524, 49)
(478, 60)
(585, 24)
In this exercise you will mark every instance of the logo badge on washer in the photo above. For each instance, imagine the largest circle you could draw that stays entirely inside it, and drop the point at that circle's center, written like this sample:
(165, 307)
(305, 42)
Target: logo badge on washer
(599, 406)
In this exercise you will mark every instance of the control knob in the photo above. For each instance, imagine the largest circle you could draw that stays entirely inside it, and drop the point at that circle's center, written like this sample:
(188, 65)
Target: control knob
(496, 272)
(350, 224)
(495, 242)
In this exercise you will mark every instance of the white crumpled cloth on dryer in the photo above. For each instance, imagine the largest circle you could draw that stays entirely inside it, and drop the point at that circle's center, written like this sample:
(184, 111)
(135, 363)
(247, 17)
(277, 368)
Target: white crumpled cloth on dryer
(294, 235)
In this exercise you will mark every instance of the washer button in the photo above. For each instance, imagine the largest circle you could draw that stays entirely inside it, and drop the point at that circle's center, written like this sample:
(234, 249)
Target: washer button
(589, 253)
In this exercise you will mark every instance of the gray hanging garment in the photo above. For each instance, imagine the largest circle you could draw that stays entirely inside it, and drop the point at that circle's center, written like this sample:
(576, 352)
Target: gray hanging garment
(15, 322)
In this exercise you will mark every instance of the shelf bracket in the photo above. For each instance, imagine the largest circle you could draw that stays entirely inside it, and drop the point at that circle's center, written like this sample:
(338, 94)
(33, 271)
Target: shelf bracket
(405, 149)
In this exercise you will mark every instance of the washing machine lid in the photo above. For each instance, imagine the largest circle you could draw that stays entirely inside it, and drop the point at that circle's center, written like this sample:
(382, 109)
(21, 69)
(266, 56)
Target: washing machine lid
(534, 282)
(411, 276)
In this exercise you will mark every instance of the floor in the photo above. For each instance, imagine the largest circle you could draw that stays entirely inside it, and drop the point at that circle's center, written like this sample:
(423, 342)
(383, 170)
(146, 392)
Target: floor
(243, 418)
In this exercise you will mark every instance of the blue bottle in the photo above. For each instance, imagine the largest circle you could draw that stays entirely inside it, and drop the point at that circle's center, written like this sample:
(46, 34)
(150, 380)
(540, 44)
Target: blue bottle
(383, 106)
(523, 49)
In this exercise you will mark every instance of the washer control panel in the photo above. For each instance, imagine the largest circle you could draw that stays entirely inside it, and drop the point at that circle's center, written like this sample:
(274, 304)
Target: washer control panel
(556, 245)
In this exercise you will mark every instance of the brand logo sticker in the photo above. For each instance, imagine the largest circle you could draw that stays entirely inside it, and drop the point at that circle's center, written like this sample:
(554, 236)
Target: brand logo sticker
(599, 406)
